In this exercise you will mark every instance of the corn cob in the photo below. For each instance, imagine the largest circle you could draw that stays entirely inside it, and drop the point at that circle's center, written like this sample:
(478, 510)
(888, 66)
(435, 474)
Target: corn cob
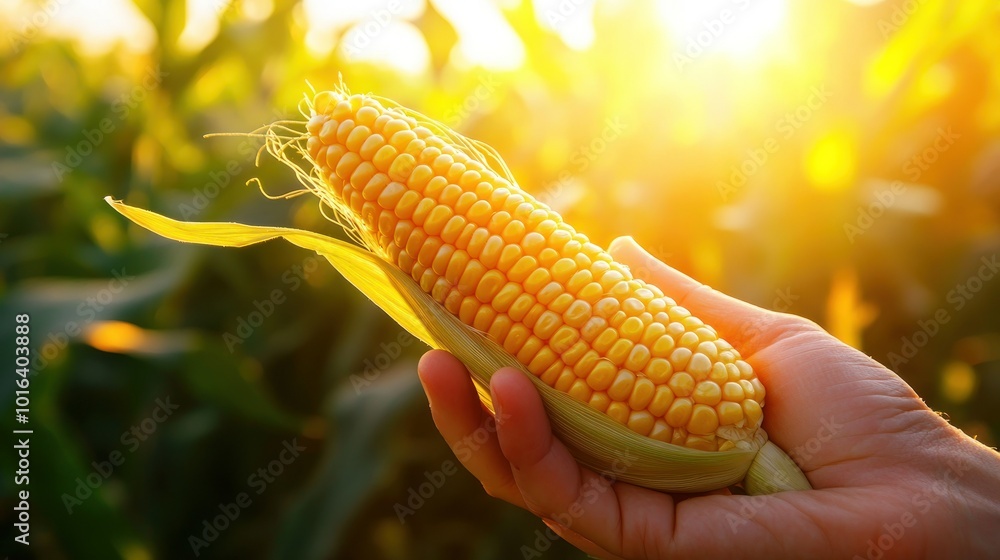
(507, 265)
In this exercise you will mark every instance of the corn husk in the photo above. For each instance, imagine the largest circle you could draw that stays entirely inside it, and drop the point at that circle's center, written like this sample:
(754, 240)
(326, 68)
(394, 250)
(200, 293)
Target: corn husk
(595, 440)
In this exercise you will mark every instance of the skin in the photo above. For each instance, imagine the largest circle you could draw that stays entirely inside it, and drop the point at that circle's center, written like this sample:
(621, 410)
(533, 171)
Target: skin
(891, 478)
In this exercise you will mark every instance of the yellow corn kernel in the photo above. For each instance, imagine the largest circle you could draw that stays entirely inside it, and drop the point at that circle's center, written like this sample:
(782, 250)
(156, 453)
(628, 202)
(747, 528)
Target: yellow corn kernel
(641, 422)
(664, 346)
(718, 374)
(580, 391)
(577, 314)
(489, 286)
(605, 340)
(599, 401)
(637, 358)
(586, 363)
(682, 384)
(733, 392)
(547, 324)
(500, 327)
(529, 350)
(542, 360)
(659, 370)
(565, 381)
(621, 387)
(729, 412)
(642, 394)
(663, 397)
(661, 431)
(679, 413)
(679, 358)
(708, 393)
(602, 375)
(618, 411)
(751, 409)
(552, 374)
(699, 366)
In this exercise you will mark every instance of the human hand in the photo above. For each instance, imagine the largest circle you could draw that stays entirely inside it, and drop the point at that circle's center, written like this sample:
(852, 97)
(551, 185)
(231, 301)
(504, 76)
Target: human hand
(890, 477)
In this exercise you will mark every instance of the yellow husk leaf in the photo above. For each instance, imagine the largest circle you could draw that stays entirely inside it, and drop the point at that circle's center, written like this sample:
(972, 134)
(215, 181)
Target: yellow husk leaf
(595, 440)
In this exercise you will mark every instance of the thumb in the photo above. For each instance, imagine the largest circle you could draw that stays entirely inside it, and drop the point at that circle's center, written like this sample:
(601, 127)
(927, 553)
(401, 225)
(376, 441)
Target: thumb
(734, 319)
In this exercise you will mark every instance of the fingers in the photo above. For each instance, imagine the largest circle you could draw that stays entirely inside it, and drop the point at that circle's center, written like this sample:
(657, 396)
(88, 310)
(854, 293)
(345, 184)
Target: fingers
(735, 319)
(579, 541)
(553, 484)
(468, 429)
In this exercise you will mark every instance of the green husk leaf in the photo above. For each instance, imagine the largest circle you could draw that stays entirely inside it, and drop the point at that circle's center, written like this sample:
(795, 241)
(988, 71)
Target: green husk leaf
(596, 440)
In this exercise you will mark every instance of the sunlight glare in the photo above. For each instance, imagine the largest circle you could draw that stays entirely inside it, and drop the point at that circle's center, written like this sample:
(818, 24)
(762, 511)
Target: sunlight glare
(484, 36)
(373, 31)
(399, 45)
(202, 24)
(830, 163)
(736, 28)
(572, 21)
(96, 26)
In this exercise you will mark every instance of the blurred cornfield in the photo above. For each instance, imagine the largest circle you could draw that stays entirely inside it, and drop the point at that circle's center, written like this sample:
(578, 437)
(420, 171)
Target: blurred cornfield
(837, 160)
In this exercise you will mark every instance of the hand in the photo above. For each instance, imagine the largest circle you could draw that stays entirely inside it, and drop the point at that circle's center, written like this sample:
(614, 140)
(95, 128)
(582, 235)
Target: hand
(891, 478)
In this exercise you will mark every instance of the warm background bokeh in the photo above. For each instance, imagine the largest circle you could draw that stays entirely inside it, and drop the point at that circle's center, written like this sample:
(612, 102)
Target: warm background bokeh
(835, 159)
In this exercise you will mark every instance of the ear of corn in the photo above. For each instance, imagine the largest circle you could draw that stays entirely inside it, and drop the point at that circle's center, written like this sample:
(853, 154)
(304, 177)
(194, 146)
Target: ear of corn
(469, 262)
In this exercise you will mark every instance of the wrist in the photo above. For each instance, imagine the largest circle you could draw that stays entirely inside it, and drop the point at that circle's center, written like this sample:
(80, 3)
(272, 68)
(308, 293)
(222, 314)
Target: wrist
(968, 485)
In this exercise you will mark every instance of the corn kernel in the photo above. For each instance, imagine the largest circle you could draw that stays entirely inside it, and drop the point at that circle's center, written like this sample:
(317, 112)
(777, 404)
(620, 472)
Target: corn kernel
(708, 393)
(733, 392)
(679, 358)
(661, 431)
(641, 422)
(542, 360)
(681, 383)
(659, 370)
(602, 375)
(751, 409)
(564, 338)
(642, 394)
(599, 401)
(637, 358)
(663, 397)
(621, 387)
(664, 346)
(679, 413)
(729, 412)
(580, 391)
(619, 412)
